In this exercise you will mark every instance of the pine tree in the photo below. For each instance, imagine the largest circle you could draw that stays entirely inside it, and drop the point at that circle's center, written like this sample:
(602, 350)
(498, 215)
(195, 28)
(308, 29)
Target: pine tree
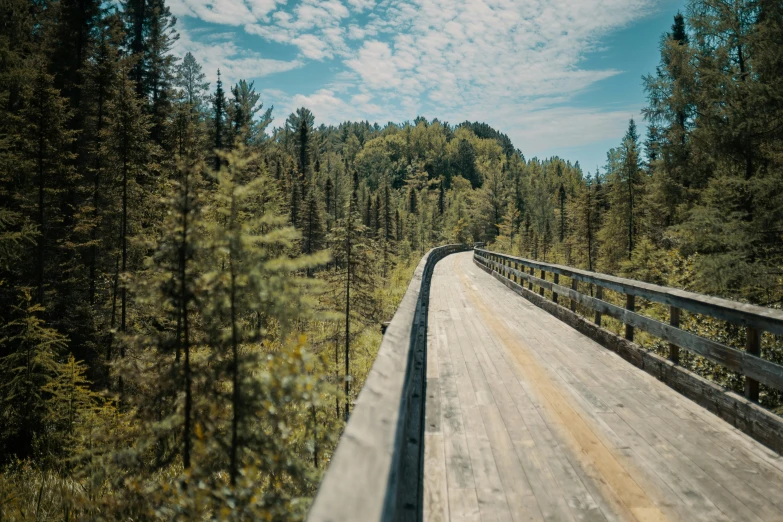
(46, 145)
(299, 127)
(151, 35)
(312, 226)
(353, 275)
(441, 198)
(30, 364)
(246, 128)
(252, 281)
(218, 120)
(328, 201)
(368, 213)
(102, 78)
(465, 163)
(561, 196)
(126, 152)
(189, 101)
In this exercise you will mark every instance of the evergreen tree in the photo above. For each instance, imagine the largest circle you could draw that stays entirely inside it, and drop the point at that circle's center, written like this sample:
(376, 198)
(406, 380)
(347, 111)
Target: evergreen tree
(354, 278)
(251, 281)
(30, 363)
(126, 153)
(299, 126)
(246, 127)
(151, 36)
(46, 144)
(218, 120)
(312, 226)
(465, 163)
(189, 106)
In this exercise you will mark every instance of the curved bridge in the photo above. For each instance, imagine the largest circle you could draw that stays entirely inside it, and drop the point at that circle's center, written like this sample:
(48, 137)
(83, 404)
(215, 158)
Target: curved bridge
(526, 417)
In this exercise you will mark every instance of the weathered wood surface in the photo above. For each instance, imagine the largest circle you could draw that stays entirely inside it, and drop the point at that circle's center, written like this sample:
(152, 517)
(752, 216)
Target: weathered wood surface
(746, 362)
(375, 472)
(745, 415)
(528, 419)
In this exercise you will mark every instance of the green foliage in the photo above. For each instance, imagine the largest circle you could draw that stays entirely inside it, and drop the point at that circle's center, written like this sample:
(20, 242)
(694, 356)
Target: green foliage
(182, 341)
(31, 370)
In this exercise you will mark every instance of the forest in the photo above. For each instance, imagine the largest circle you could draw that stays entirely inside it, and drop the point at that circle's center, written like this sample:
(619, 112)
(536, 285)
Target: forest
(190, 297)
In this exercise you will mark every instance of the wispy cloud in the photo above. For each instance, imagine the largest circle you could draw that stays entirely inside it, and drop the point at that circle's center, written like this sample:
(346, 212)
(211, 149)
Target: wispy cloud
(515, 63)
(235, 63)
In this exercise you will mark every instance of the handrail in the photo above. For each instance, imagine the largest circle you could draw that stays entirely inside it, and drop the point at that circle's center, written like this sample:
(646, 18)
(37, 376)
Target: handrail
(375, 472)
(755, 318)
(744, 314)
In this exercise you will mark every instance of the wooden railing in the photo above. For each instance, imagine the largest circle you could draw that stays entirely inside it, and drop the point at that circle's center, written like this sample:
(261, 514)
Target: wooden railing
(756, 319)
(376, 471)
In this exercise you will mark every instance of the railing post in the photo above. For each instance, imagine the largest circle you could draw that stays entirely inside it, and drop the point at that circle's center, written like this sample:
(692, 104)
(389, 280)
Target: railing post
(541, 288)
(575, 288)
(753, 347)
(674, 320)
(516, 279)
(529, 282)
(556, 281)
(599, 294)
(630, 302)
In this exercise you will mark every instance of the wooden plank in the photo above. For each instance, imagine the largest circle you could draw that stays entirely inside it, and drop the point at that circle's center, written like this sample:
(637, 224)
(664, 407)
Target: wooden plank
(746, 363)
(752, 347)
(463, 505)
(766, 477)
(575, 288)
(432, 413)
(722, 476)
(489, 489)
(753, 420)
(674, 321)
(599, 295)
(564, 498)
(436, 495)
(364, 481)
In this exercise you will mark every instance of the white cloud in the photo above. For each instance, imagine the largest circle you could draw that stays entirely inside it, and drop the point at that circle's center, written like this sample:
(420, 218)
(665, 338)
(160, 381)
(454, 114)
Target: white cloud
(312, 47)
(513, 63)
(234, 62)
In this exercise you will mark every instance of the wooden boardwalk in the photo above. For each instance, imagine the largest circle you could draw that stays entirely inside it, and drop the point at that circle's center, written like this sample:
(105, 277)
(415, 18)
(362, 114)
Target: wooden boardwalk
(526, 419)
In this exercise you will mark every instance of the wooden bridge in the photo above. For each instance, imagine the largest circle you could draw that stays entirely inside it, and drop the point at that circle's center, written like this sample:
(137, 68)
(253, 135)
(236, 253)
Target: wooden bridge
(491, 399)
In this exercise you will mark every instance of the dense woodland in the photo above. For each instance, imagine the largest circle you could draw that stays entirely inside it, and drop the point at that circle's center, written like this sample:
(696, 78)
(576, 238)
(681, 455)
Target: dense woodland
(190, 298)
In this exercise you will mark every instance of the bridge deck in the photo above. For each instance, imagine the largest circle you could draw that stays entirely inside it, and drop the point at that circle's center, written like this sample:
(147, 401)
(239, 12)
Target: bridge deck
(526, 419)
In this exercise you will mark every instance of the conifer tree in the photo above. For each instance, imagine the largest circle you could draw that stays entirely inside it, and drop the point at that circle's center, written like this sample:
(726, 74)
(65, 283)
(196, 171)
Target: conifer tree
(218, 120)
(353, 275)
(46, 145)
(126, 153)
(30, 363)
(251, 282)
(312, 226)
(466, 163)
(328, 201)
(246, 128)
(189, 100)
(102, 77)
(413, 202)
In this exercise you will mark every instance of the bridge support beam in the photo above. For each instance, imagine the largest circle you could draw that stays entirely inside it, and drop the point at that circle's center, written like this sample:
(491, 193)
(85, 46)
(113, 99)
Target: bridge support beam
(599, 294)
(674, 320)
(630, 304)
(753, 347)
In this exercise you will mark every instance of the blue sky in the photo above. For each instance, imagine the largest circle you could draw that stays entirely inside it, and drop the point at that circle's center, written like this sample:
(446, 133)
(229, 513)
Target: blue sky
(560, 77)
